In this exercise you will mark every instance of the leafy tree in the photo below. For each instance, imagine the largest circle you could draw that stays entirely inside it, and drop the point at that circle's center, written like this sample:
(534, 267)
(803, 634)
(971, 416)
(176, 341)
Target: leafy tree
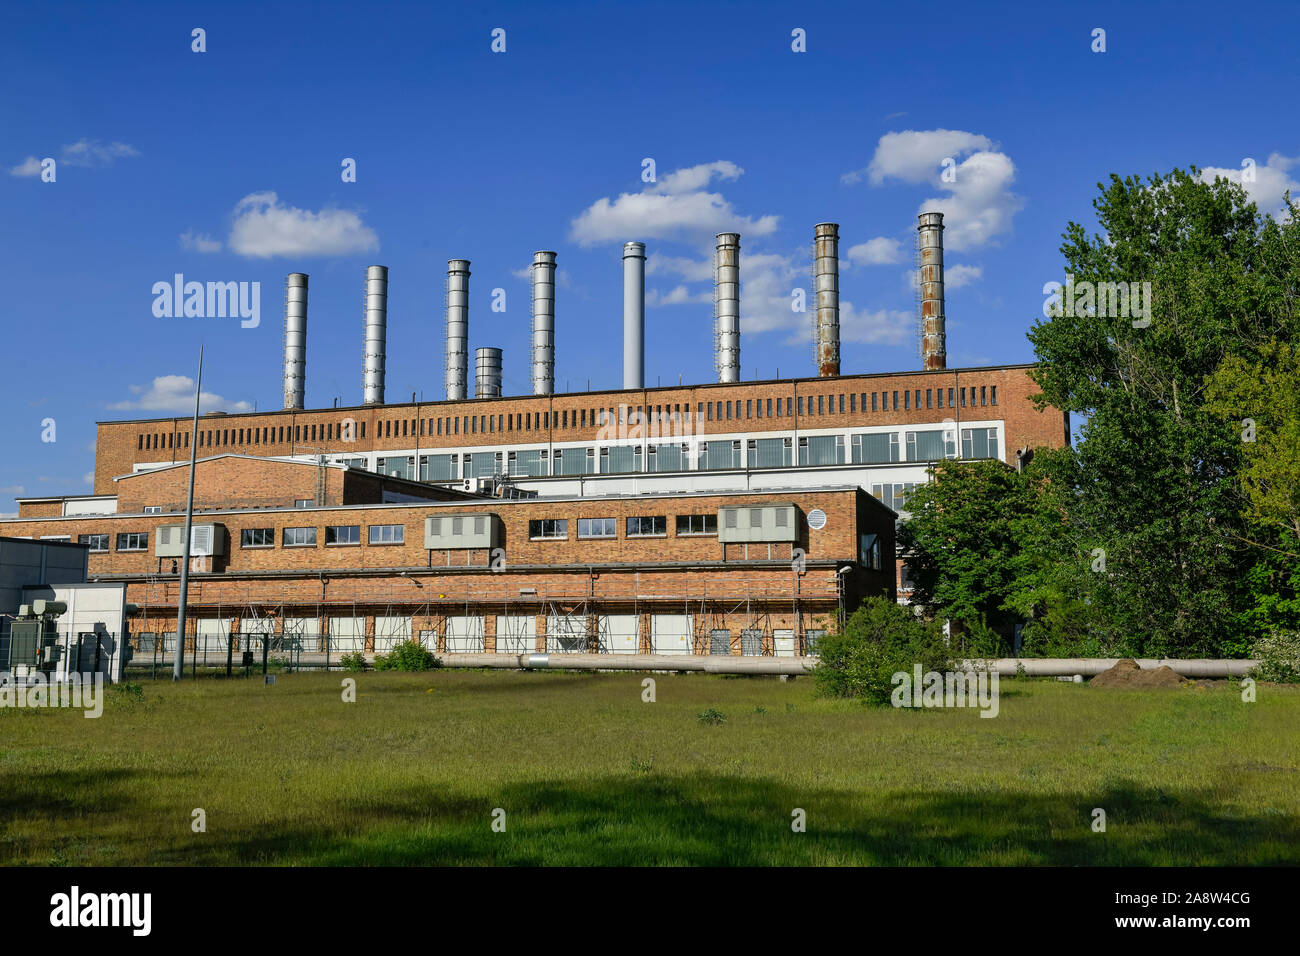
(1155, 468)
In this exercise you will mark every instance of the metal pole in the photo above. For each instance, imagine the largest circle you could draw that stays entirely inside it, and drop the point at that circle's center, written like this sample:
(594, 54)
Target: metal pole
(178, 665)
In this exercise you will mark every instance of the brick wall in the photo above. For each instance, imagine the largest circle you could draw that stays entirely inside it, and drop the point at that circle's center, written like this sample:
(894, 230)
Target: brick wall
(559, 418)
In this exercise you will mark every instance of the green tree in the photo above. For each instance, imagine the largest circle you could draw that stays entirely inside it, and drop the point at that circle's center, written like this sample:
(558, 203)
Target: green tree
(881, 638)
(1156, 470)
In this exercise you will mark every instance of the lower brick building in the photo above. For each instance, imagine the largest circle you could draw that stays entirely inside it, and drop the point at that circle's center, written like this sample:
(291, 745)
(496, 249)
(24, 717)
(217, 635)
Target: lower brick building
(319, 559)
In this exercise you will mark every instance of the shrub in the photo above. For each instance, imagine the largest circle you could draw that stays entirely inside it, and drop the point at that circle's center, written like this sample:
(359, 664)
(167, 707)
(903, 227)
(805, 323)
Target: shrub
(132, 693)
(407, 656)
(880, 639)
(711, 717)
(1279, 658)
(353, 662)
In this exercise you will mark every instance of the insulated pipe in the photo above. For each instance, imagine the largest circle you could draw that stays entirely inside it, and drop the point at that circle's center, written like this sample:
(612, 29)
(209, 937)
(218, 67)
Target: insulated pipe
(543, 323)
(457, 328)
(295, 340)
(376, 319)
(934, 337)
(826, 284)
(726, 306)
(634, 315)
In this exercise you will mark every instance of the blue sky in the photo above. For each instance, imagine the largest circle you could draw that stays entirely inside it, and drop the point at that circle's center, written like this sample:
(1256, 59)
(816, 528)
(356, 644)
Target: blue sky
(225, 166)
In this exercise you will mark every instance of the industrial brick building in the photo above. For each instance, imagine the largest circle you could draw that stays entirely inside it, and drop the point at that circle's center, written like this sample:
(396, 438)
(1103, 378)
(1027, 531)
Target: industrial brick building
(736, 517)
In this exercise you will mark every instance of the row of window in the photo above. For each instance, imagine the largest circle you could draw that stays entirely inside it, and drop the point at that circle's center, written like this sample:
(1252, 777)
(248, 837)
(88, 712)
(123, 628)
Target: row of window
(638, 526)
(805, 406)
(340, 534)
(919, 446)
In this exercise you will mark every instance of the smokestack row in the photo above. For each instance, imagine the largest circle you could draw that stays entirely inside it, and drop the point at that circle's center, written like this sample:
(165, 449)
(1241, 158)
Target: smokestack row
(726, 270)
(376, 322)
(726, 306)
(543, 323)
(295, 340)
(634, 315)
(457, 327)
(934, 339)
(826, 288)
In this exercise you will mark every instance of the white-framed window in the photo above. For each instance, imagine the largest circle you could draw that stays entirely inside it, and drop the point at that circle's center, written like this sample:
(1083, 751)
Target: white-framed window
(597, 527)
(98, 542)
(303, 502)
(299, 537)
(387, 534)
(133, 541)
(153, 509)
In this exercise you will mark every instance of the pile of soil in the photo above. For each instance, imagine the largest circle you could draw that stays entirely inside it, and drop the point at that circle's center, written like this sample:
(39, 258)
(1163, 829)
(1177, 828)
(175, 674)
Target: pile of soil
(1126, 673)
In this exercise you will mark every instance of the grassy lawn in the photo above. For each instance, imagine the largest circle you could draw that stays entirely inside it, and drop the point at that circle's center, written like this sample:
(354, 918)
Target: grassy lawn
(588, 773)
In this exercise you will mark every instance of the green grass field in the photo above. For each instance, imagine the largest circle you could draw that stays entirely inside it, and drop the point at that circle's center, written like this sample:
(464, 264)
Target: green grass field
(587, 773)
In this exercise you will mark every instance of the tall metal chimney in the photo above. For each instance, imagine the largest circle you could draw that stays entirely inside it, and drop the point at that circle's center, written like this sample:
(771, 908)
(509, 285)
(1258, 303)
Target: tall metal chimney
(376, 334)
(826, 284)
(543, 323)
(634, 315)
(934, 337)
(295, 339)
(487, 373)
(726, 306)
(458, 328)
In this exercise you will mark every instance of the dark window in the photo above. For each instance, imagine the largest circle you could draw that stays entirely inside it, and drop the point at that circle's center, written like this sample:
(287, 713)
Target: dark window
(647, 525)
(133, 541)
(257, 538)
(299, 537)
(343, 534)
(697, 524)
(551, 528)
(597, 527)
(97, 542)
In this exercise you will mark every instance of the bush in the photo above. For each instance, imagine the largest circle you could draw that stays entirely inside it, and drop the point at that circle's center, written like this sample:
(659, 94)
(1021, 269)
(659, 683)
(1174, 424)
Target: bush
(711, 717)
(353, 662)
(880, 639)
(407, 656)
(1279, 658)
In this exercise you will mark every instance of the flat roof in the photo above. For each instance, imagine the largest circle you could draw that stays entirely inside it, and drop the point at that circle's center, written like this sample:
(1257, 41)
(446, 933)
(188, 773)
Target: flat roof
(221, 415)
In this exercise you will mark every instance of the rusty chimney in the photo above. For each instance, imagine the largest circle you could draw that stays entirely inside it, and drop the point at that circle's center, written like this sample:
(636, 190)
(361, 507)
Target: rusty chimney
(934, 339)
(826, 286)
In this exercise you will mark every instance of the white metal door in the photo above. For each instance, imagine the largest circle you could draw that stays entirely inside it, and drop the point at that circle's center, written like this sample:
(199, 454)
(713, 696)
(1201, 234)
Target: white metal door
(566, 633)
(784, 643)
(390, 631)
(465, 634)
(516, 634)
(671, 634)
(619, 634)
(347, 635)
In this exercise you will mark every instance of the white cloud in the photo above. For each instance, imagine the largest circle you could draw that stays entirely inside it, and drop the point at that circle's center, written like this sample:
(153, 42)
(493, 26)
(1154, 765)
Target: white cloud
(979, 204)
(954, 277)
(263, 229)
(914, 155)
(692, 270)
(175, 393)
(88, 478)
(1270, 181)
(91, 152)
(31, 166)
(694, 178)
(880, 251)
(12, 490)
(562, 278)
(875, 327)
(199, 242)
(677, 207)
(679, 295)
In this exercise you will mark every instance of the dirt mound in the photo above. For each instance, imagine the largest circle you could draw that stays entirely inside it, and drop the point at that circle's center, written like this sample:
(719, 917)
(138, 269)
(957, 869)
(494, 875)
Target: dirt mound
(1126, 673)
